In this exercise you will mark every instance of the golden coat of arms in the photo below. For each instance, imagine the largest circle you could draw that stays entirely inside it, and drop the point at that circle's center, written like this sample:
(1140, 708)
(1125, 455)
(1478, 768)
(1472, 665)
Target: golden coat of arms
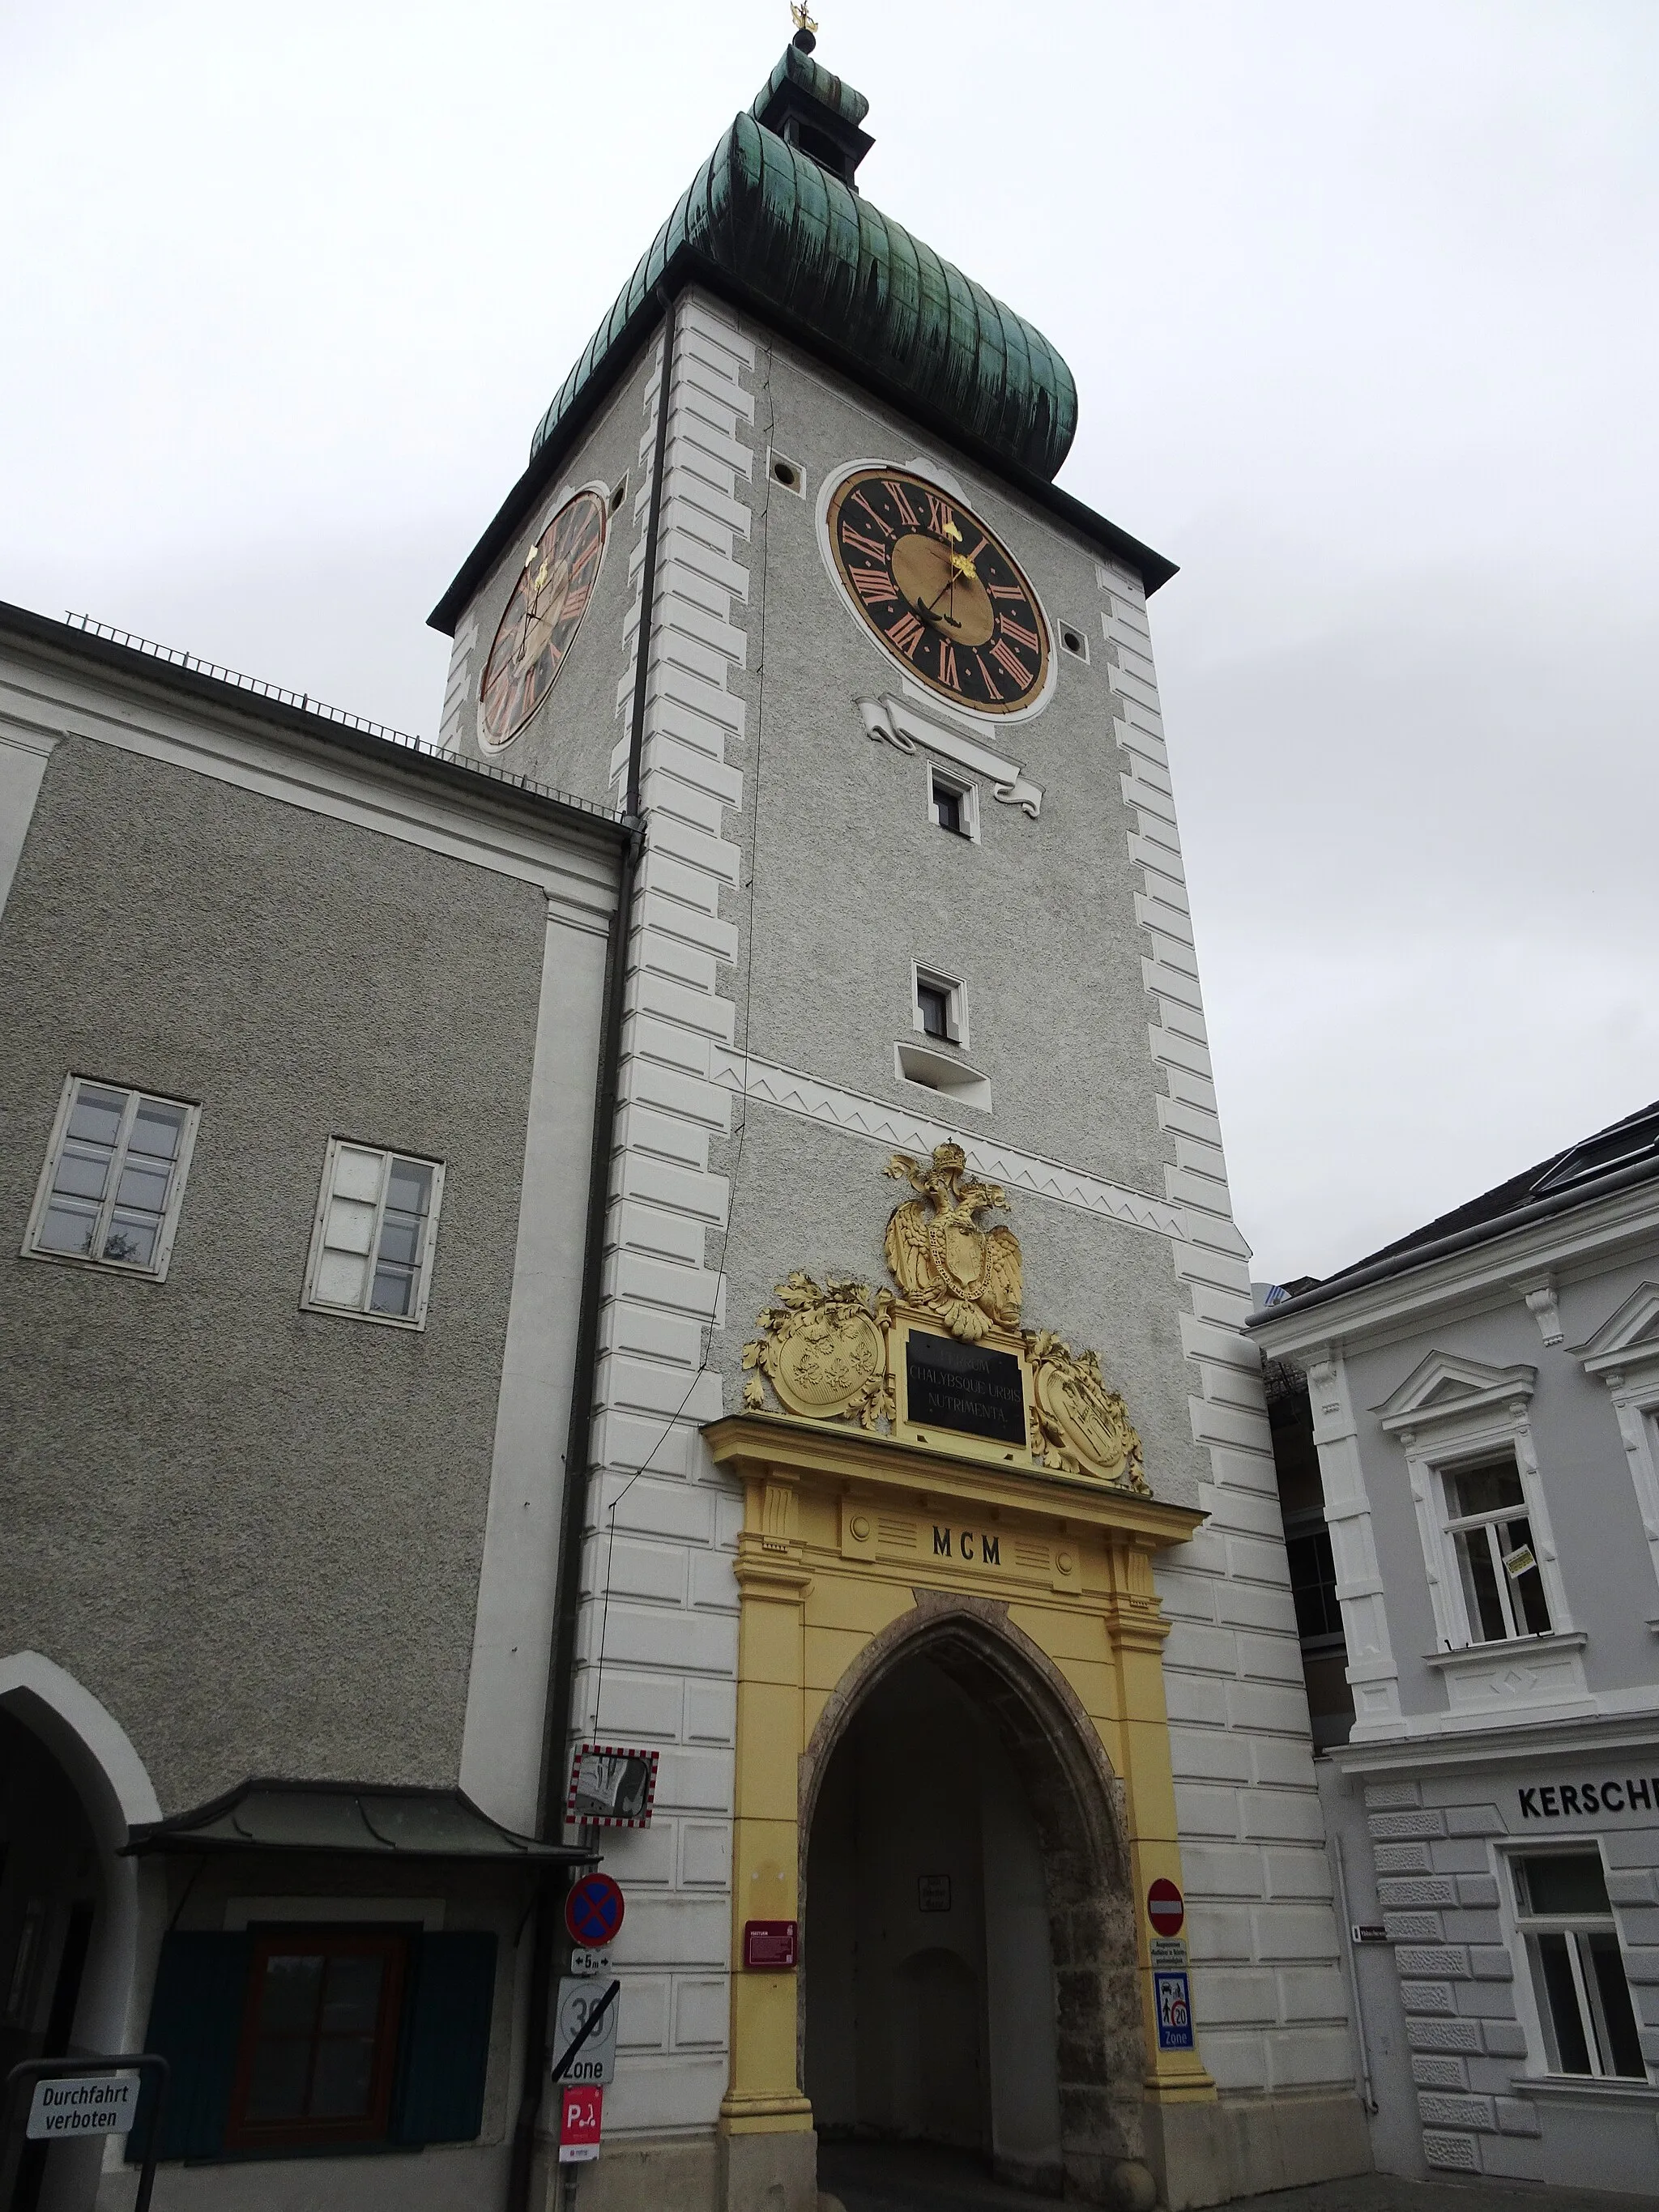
(940, 1256)
(835, 1351)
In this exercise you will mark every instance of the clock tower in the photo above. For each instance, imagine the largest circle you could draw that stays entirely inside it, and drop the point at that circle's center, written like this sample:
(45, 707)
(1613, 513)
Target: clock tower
(918, 1505)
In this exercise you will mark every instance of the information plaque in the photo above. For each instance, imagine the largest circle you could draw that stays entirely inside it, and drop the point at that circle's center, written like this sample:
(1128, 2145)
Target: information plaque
(968, 1386)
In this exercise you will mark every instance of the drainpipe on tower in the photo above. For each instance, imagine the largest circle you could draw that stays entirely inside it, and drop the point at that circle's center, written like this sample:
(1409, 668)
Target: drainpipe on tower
(578, 1445)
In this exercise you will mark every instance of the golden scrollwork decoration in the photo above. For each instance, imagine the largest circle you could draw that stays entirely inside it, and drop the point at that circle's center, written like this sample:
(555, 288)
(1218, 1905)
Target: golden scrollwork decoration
(941, 1258)
(823, 1351)
(1082, 1427)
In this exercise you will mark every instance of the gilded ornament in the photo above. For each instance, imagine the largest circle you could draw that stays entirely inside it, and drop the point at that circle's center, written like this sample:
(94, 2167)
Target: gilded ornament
(1080, 1427)
(823, 1351)
(940, 1257)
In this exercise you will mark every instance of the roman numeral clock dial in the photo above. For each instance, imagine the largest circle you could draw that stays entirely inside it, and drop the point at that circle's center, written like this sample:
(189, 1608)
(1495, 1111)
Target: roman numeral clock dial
(941, 592)
(542, 618)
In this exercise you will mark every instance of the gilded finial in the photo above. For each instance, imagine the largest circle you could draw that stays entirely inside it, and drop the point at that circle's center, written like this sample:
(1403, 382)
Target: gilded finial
(805, 29)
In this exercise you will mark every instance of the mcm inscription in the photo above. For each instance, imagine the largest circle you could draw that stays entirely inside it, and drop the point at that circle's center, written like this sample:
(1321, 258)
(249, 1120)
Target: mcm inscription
(962, 1546)
(967, 1387)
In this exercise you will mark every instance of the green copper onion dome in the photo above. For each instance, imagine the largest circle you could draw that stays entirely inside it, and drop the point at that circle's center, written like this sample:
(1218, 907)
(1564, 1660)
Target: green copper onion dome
(774, 220)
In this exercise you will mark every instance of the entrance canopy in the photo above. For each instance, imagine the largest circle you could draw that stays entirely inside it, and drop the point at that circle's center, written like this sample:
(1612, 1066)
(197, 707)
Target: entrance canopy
(348, 1820)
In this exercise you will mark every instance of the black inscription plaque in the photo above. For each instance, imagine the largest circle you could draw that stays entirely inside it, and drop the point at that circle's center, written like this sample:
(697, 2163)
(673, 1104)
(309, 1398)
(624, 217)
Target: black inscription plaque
(951, 1385)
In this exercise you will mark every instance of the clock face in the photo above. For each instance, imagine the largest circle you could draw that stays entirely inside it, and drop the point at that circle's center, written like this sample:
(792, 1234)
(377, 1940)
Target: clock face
(542, 618)
(944, 597)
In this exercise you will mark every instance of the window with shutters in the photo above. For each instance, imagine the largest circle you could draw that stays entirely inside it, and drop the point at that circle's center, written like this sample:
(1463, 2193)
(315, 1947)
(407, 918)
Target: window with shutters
(319, 2039)
(372, 1245)
(285, 2039)
(114, 1177)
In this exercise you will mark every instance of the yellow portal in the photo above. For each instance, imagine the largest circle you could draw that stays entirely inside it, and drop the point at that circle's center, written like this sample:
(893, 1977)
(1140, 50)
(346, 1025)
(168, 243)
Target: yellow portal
(844, 1532)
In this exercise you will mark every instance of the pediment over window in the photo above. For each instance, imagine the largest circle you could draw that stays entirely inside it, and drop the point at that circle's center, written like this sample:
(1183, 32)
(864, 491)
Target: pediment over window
(1446, 1384)
(1627, 1336)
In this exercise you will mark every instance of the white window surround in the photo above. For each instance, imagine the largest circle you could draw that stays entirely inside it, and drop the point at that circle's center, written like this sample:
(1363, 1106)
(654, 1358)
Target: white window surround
(350, 1231)
(793, 479)
(956, 1003)
(1449, 1412)
(1539, 2076)
(154, 1269)
(965, 791)
(1623, 1354)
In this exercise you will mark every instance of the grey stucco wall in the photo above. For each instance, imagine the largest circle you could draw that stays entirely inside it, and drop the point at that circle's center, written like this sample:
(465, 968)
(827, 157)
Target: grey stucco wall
(254, 1532)
(1604, 1559)
(813, 1198)
(853, 879)
(568, 741)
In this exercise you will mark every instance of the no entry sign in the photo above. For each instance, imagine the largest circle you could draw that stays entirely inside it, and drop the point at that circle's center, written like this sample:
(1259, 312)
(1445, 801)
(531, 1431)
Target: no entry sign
(1165, 1907)
(593, 1910)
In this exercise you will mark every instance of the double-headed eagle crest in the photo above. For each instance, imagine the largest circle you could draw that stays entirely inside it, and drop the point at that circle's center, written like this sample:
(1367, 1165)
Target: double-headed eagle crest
(939, 1256)
(827, 1350)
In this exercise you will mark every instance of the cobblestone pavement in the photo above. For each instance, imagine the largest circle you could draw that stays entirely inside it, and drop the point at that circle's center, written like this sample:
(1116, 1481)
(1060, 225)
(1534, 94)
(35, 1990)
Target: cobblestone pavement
(902, 2178)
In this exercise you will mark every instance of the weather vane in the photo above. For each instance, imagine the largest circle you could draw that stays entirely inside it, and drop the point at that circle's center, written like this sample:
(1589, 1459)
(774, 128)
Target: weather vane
(805, 29)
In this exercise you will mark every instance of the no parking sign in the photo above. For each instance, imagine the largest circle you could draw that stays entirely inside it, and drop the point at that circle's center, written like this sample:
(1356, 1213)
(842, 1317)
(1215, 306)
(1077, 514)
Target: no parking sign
(593, 1911)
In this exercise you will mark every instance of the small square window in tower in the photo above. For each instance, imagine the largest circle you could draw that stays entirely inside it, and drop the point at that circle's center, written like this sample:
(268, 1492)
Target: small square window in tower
(934, 1005)
(953, 806)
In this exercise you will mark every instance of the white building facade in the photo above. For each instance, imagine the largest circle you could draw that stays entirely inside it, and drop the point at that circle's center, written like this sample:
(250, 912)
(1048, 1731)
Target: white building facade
(1484, 1399)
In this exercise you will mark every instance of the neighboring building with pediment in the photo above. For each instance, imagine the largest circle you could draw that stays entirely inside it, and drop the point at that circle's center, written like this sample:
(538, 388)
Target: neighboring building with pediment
(1484, 1401)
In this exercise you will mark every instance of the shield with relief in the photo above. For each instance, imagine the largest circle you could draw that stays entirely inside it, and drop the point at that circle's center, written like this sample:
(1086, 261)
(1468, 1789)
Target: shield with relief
(823, 1351)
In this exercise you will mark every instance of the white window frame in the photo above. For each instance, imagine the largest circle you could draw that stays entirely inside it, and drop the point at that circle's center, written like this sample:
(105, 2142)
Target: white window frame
(965, 791)
(1429, 1460)
(1516, 1930)
(387, 1155)
(1454, 1524)
(955, 1005)
(155, 1271)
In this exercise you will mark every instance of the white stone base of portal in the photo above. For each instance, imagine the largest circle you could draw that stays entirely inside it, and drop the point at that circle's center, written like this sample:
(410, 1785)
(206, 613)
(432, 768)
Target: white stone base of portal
(1207, 2154)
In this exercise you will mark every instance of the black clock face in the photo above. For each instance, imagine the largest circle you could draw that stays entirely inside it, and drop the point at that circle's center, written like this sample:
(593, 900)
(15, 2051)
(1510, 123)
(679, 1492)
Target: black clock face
(944, 595)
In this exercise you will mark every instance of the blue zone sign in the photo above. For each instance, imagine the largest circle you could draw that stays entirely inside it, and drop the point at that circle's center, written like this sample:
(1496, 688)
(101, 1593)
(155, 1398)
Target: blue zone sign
(1174, 2012)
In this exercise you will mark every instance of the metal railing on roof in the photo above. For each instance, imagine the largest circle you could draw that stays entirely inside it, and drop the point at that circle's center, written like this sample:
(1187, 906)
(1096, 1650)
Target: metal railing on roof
(173, 657)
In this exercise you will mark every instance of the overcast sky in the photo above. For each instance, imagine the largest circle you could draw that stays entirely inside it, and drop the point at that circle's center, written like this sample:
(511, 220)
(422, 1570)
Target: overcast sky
(1361, 301)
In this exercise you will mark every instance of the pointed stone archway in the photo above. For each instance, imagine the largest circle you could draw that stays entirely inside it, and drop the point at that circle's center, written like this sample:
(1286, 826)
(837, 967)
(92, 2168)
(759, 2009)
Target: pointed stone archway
(1082, 1860)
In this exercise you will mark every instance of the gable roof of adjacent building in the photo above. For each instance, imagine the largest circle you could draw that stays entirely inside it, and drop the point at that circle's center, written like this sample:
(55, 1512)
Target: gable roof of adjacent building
(1623, 1154)
(181, 679)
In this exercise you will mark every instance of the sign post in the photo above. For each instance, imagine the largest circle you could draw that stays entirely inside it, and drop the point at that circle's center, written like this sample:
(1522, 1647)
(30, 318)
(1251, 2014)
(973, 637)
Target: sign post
(73, 2098)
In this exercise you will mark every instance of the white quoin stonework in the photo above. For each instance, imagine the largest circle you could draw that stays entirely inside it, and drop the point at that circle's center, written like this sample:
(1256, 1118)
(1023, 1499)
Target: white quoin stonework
(658, 1653)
